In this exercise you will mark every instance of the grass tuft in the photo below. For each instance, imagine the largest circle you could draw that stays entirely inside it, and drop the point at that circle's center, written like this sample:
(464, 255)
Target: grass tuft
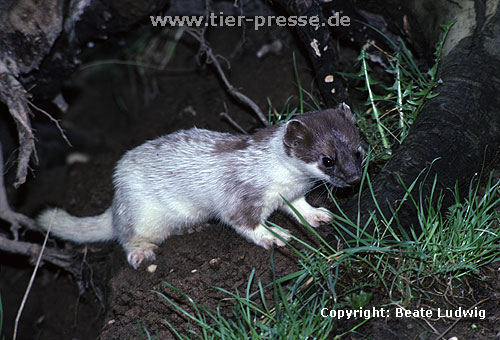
(393, 102)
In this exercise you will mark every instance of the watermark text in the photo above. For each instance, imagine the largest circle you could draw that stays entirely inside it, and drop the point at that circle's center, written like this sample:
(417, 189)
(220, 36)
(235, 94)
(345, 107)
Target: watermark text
(214, 20)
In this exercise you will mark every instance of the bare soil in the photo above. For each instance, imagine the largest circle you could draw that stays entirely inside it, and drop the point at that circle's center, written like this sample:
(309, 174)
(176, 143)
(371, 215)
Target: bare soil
(112, 109)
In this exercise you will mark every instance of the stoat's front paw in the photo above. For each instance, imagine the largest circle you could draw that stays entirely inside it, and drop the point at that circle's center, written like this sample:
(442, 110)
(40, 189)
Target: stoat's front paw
(317, 216)
(265, 238)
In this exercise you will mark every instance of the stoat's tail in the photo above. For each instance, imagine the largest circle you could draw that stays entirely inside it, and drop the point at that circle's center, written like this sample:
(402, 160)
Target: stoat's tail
(77, 229)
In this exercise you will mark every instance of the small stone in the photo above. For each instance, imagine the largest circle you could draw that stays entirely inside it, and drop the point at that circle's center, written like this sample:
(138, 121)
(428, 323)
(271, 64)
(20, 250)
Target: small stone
(329, 79)
(215, 261)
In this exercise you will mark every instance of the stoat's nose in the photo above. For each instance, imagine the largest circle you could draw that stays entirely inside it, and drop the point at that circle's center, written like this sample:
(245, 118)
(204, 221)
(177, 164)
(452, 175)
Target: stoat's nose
(353, 179)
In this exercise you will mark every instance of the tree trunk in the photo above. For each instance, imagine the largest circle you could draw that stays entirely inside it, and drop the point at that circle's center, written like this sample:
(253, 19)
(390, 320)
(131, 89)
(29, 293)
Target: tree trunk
(321, 49)
(459, 130)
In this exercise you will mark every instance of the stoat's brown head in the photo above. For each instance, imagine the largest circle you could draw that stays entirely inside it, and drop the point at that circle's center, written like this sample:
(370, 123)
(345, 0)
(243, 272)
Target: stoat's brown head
(328, 142)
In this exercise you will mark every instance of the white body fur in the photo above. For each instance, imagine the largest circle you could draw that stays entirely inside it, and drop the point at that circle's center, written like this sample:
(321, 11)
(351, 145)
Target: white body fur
(189, 176)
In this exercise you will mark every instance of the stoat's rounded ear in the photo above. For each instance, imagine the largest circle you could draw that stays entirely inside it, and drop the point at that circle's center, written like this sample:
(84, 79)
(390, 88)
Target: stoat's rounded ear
(295, 133)
(346, 110)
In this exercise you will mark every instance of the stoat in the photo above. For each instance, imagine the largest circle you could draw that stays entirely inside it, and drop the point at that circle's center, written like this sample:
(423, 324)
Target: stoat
(185, 178)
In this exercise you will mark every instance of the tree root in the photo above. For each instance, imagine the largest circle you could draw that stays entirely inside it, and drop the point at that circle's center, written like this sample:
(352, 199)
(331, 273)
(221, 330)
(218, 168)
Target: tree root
(17, 220)
(59, 258)
(13, 94)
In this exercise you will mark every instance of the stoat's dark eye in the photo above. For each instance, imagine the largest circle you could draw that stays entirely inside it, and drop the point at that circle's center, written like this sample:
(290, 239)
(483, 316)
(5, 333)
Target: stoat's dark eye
(328, 162)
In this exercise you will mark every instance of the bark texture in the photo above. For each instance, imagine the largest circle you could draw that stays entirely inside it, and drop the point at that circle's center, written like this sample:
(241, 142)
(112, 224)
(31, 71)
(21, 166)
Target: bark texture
(321, 48)
(459, 129)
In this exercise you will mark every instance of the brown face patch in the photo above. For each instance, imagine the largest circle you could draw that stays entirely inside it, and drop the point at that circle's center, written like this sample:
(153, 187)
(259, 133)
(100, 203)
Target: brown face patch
(332, 134)
(298, 140)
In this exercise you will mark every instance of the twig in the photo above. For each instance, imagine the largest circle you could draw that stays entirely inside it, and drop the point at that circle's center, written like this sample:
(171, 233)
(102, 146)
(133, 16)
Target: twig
(211, 58)
(55, 121)
(32, 279)
(243, 40)
(457, 320)
(233, 122)
(133, 63)
(421, 318)
(224, 114)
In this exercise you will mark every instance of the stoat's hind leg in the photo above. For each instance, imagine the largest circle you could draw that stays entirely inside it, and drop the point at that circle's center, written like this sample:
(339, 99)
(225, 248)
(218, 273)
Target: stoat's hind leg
(140, 230)
(139, 250)
(140, 242)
